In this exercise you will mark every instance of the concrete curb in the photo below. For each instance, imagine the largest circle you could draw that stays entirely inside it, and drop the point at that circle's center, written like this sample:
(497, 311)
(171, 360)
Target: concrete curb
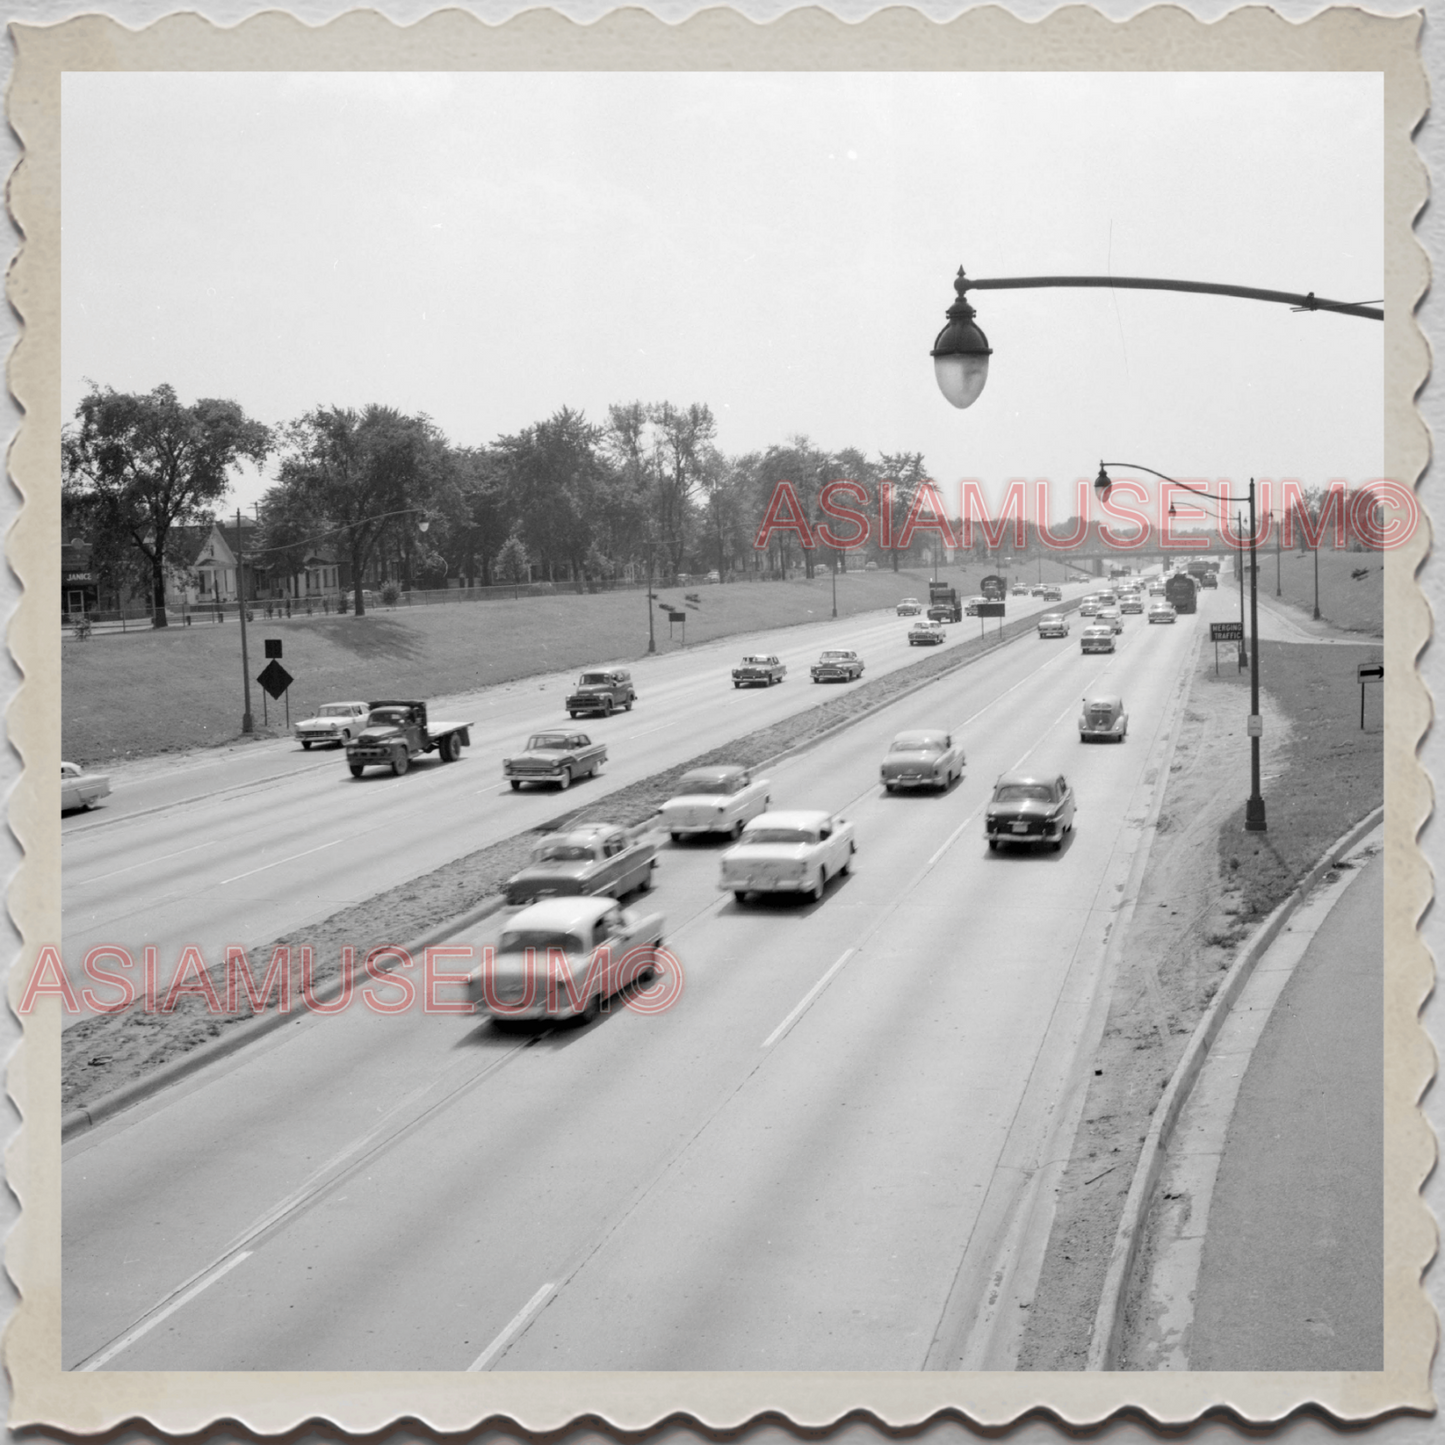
(87, 1116)
(1105, 1342)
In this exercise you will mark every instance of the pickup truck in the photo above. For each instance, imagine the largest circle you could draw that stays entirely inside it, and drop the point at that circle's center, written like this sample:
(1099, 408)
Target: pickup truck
(838, 665)
(559, 758)
(396, 732)
(758, 668)
(595, 858)
(602, 692)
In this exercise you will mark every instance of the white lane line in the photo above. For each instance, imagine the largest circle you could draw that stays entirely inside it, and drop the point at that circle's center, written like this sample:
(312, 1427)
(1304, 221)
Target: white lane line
(510, 1328)
(236, 878)
(648, 731)
(801, 1007)
(97, 1361)
(180, 853)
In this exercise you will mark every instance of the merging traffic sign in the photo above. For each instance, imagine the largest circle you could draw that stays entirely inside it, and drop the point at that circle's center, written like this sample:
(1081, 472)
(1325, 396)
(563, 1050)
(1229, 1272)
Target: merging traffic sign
(1226, 632)
(990, 609)
(274, 678)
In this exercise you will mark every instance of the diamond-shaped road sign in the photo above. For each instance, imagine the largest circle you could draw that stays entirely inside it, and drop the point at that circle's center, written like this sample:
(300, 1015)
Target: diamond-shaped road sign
(274, 678)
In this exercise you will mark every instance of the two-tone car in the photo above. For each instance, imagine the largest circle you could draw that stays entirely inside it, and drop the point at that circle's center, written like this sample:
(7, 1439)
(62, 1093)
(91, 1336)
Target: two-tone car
(593, 858)
(557, 758)
(335, 722)
(565, 958)
(1097, 637)
(910, 607)
(788, 852)
(1029, 807)
(1131, 602)
(79, 789)
(1111, 615)
(922, 758)
(1090, 606)
(723, 798)
(1103, 718)
(1053, 624)
(838, 664)
(1051, 594)
(1162, 611)
(759, 669)
(970, 608)
(925, 633)
(602, 692)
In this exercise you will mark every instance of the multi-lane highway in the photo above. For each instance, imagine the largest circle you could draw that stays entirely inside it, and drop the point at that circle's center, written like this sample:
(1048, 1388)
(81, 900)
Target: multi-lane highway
(819, 1158)
(247, 845)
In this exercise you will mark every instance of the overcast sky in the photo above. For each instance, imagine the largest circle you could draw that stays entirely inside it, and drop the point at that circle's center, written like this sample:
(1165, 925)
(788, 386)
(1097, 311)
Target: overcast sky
(489, 248)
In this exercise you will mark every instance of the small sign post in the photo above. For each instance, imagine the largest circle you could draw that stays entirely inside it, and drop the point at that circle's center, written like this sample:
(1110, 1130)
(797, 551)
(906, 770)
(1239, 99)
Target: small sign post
(1367, 672)
(274, 680)
(1225, 632)
(990, 609)
(677, 617)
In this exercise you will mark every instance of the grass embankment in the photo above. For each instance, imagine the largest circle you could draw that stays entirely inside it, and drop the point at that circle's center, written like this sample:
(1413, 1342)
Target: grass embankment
(129, 695)
(101, 1053)
(1352, 586)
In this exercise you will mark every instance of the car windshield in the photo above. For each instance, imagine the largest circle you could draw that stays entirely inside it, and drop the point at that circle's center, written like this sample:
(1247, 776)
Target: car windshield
(564, 853)
(708, 783)
(387, 715)
(336, 709)
(916, 743)
(758, 661)
(518, 939)
(779, 835)
(593, 679)
(1023, 793)
(541, 742)
(837, 657)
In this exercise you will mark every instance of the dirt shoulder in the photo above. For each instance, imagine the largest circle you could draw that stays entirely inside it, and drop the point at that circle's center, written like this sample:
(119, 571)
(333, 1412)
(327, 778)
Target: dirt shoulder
(1207, 885)
(101, 1053)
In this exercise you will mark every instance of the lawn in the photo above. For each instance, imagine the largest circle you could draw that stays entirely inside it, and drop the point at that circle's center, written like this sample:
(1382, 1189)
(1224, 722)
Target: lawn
(1353, 602)
(135, 694)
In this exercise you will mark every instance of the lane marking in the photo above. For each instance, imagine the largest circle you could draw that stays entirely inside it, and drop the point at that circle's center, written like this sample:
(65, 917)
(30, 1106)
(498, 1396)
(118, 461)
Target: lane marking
(321, 848)
(801, 1006)
(510, 1328)
(180, 853)
(96, 1361)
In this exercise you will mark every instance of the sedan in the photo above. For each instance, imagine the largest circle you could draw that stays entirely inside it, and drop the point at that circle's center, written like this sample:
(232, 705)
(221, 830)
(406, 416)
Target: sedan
(719, 799)
(594, 858)
(926, 634)
(1161, 612)
(838, 665)
(1112, 616)
(791, 852)
(335, 722)
(1053, 624)
(923, 759)
(910, 607)
(1097, 637)
(1029, 807)
(1131, 602)
(79, 789)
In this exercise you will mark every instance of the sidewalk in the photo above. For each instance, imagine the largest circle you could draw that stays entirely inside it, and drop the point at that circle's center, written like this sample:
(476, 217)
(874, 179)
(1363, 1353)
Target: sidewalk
(1266, 1237)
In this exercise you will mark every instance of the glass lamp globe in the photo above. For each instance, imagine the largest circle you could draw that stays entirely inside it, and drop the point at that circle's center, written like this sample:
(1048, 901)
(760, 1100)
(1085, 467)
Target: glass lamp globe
(961, 376)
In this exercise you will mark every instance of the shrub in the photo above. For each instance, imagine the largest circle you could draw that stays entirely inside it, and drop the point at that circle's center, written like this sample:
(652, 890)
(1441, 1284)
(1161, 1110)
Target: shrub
(390, 593)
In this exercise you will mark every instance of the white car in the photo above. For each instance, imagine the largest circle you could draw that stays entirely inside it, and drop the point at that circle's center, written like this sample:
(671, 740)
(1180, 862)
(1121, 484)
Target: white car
(926, 758)
(788, 852)
(1097, 637)
(79, 789)
(336, 722)
(1162, 612)
(910, 607)
(1111, 615)
(1053, 624)
(720, 799)
(564, 958)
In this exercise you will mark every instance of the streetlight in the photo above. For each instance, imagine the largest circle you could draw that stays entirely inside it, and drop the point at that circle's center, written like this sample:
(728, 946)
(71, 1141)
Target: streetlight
(835, 581)
(1254, 815)
(961, 350)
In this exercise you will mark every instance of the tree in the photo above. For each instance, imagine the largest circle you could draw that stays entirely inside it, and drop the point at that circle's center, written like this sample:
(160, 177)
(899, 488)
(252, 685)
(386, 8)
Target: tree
(682, 437)
(511, 564)
(368, 473)
(905, 471)
(147, 463)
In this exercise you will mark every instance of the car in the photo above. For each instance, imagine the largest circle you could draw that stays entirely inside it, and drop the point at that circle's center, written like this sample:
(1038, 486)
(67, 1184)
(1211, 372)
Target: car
(1111, 615)
(1161, 612)
(555, 757)
(910, 607)
(79, 789)
(1037, 590)
(759, 669)
(713, 576)
(335, 722)
(1090, 606)
(970, 608)
(1107, 596)
(870, 566)
(838, 665)
(1097, 637)
(788, 852)
(1131, 602)
(922, 758)
(926, 634)
(1208, 579)
(593, 858)
(1156, 589)
(719, 799)
(1053, 624)
(1018, 590)
(602, 691)
(1052, 594)
(564, 958)
(1103, 717)
(1029, 808)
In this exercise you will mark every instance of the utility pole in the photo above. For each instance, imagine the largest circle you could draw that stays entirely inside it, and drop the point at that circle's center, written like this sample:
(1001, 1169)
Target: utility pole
(248, 723)
(651, 640)
(1254, 821)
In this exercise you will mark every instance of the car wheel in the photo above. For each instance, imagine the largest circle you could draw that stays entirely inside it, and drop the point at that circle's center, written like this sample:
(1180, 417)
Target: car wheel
(400, 763)
(644, 884)
(848, 861)
(572, 715)
(677, 837)
(357, 770)
(737, 830)
(737, 684)
(820, 887)
(590, 1010)
(305, 746)
(592, 771)
(741, 894)
(516, 786)
(993, 845)
(627, 706)
(607, 708)
(1058, 843)
(564, 781)
(890, 787)
(451, 748)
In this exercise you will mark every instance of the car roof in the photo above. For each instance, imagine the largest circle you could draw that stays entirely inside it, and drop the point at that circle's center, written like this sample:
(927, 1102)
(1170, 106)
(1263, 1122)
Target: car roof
(717, 770)
(1104, 699)
(580, 832)
(789, 818)
(923, 735)
(1022, 776)
(561, 915)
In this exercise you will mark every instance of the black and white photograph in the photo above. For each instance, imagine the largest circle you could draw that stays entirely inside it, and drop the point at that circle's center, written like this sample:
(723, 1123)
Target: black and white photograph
(731, 721)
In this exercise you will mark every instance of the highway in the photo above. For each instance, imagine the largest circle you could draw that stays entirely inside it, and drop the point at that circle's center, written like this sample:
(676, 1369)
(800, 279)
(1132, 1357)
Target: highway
(812, 1161)
(245, 845)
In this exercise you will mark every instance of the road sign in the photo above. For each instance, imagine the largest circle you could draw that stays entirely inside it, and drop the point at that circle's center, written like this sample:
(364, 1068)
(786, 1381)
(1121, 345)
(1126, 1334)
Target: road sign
(677, 616)
(1370, 672)
(275, 679)
(1256, 725)
(273, 646)
(990, 609)
(1226, 632)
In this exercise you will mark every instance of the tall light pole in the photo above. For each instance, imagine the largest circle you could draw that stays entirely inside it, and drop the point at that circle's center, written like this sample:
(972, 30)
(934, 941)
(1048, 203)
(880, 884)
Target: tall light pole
(651, 639)
(248, 723)
(1254, 811)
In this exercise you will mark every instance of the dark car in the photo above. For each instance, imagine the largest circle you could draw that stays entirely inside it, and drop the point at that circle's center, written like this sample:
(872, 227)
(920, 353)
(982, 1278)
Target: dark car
(1030, 808)
(594, 858)
(602, 692)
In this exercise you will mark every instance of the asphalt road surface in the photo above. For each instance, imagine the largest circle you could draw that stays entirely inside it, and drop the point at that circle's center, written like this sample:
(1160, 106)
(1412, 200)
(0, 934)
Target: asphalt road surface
(241, 847)
(804, 1164)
